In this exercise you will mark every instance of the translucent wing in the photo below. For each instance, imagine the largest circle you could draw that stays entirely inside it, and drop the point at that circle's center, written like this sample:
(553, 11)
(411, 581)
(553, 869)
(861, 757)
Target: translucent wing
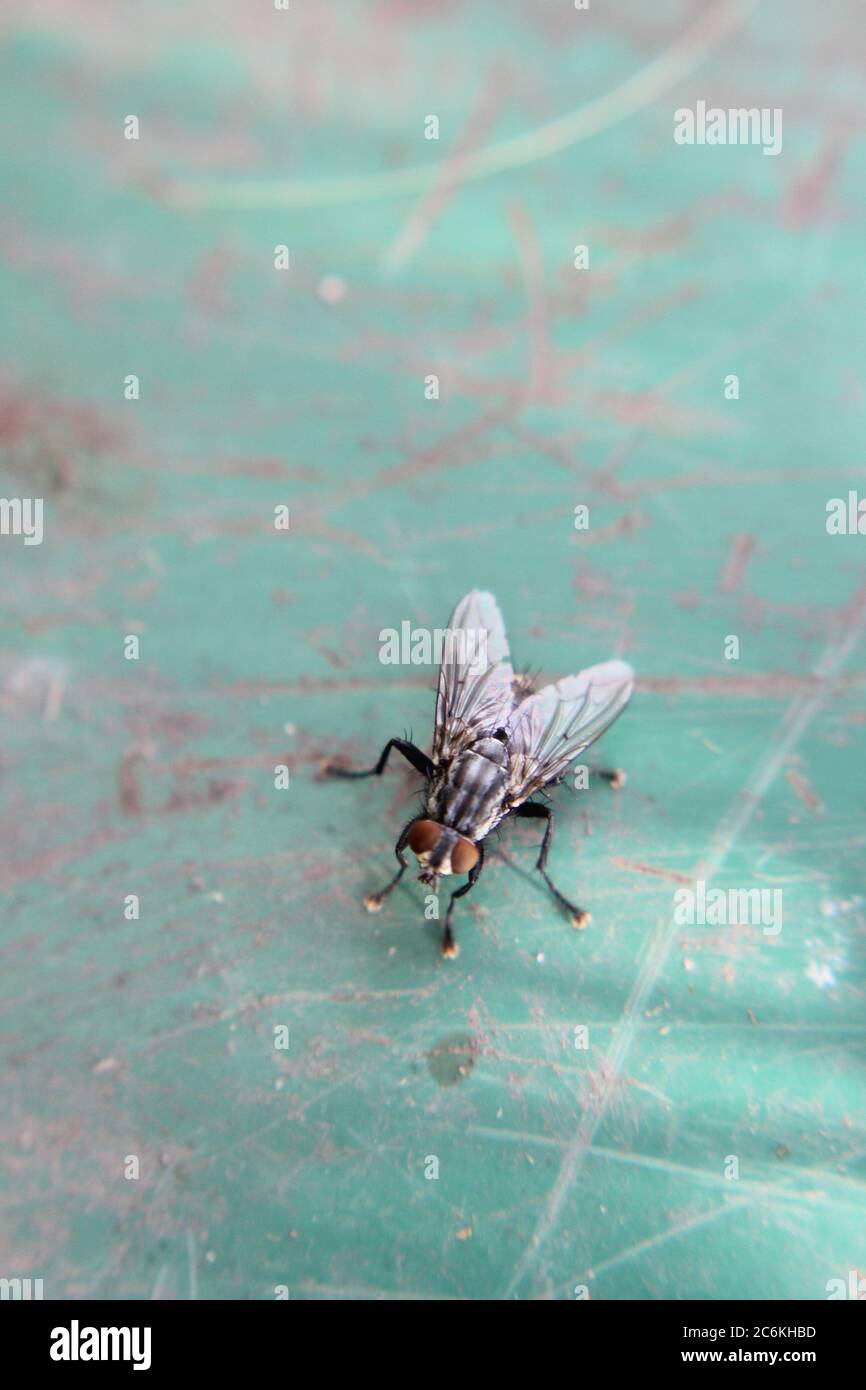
(474, 694)
(550, 728)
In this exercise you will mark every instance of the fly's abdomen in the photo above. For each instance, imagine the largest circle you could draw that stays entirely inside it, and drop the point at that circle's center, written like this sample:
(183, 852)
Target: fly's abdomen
(472, 794)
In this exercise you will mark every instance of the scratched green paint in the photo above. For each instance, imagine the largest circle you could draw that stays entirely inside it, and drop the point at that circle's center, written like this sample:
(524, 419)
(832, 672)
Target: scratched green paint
(602, 1168)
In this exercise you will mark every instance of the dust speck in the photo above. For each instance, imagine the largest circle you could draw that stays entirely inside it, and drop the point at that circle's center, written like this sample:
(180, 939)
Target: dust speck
(452, 1059)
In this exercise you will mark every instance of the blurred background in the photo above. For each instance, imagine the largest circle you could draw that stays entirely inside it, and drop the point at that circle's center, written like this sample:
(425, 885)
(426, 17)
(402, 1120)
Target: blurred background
(156, 1142)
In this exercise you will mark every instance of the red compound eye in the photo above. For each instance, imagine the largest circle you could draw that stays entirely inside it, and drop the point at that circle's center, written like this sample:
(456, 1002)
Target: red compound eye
(464, 856)
(423, 836)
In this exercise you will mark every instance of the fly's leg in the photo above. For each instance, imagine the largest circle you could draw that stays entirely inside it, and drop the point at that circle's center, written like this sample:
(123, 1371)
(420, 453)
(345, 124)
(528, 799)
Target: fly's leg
(532, 810)
(419, 761)
(373, 901)
(614, 776)
(449, 945)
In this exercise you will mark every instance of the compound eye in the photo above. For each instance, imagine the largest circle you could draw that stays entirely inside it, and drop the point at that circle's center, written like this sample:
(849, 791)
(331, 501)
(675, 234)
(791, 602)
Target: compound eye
(423, 836)
(464, 856)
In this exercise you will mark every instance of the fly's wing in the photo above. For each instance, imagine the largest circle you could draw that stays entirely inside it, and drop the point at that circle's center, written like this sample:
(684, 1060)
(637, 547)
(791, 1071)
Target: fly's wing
(475, 693)
(550, 728)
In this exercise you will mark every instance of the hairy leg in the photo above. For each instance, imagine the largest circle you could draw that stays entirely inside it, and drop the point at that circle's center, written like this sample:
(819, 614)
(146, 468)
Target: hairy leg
(373, 901)
(449, 945)
(531, 810)
(419, 761)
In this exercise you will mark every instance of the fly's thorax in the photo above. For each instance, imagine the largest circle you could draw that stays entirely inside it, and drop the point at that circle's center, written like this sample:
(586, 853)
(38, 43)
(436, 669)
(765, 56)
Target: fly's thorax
(470, 792)
(440, 850)
(494, 749)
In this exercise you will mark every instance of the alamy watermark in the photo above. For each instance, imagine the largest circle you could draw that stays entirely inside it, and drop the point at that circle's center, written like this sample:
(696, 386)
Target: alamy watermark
(722, 907)
(439, 647)
(736, 126)
(77, 1343)
(20, 1290)
(22, 516)
(846, 516)
(854, 1289)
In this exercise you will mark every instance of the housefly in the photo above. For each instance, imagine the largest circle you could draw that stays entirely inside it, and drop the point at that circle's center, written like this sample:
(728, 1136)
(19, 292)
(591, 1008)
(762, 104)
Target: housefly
(497, 742)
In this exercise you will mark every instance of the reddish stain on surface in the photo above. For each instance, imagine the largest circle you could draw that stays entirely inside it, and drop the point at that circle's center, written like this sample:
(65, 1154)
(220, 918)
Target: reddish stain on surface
(127, 783)
(184, 799)
(207, 289)
(40, 431)
(651, 869)
(808, 197)
(802, 789)
(780, 684)
(625, 526)
(651, 410)
(742, 549)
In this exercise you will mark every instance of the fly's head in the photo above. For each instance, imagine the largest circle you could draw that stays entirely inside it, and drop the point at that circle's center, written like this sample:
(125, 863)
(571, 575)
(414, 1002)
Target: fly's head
(440, 851)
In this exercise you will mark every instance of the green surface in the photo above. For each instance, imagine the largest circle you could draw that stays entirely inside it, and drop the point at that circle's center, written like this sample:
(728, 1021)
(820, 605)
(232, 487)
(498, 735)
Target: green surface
(558, 1167)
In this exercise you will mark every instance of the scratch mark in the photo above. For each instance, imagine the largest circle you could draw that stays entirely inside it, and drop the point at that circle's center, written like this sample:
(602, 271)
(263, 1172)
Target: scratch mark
(793, 725)
(193, 1266)
(540, 386)
(442, 188)
(662, 1237)
(650, 869)
(806, 199)
(127, 782)
(638, 91)
(802, 789)
(742, 549)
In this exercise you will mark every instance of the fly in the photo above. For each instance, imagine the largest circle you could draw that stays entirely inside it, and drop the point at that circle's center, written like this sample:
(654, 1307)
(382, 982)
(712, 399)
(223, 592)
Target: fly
(497, 742)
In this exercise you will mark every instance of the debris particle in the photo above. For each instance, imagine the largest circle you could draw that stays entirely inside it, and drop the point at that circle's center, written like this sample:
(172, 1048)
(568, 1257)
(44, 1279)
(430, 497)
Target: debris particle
(331, 289)
(452, 1059)
(105, 1064)
(821, 974)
